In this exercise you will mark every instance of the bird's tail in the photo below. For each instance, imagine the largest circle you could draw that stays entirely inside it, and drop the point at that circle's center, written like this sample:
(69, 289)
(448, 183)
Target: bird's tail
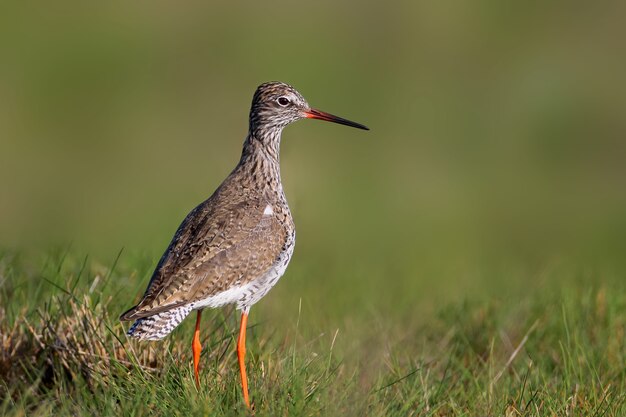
(158, 326)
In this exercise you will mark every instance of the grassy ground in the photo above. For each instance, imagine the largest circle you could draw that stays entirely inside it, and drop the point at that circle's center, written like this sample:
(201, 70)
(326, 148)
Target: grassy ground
(556, 351)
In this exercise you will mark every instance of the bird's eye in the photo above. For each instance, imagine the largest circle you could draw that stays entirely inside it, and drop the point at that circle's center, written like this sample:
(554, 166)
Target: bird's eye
(283, 101)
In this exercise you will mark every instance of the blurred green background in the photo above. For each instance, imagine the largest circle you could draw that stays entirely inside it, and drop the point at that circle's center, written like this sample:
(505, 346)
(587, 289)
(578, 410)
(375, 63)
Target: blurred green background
(496, 159)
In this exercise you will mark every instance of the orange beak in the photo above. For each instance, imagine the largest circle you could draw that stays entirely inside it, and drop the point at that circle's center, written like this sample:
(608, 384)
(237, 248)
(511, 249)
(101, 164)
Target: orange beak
(320, 115)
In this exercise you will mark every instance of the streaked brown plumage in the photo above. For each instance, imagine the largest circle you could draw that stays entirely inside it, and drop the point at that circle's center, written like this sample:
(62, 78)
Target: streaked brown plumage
(234, 246)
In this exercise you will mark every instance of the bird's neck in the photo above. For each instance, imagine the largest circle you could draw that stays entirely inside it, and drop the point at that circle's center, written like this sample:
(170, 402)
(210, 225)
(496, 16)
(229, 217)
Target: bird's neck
(261, 157)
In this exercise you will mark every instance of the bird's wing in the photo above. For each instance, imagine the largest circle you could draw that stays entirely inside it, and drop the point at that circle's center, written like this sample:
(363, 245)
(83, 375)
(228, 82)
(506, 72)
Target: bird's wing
(217, 246)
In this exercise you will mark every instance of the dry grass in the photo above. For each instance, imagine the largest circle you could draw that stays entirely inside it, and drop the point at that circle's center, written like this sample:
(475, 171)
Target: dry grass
(75, 338)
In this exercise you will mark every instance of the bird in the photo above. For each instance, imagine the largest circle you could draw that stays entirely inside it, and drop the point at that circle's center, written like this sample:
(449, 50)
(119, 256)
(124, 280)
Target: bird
(233, 247)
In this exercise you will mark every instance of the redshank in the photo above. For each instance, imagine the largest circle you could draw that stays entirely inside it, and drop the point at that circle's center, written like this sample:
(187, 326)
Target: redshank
(233, 247)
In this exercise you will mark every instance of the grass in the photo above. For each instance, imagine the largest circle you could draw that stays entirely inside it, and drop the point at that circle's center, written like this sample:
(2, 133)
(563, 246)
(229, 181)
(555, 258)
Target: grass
(557, 351)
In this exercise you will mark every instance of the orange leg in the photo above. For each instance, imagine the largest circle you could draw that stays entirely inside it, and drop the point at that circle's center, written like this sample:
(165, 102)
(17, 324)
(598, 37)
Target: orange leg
(241, 354)
(196, 348)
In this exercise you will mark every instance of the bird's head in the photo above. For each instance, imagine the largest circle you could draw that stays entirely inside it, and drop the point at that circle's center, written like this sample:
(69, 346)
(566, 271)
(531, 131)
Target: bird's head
(276, 104)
